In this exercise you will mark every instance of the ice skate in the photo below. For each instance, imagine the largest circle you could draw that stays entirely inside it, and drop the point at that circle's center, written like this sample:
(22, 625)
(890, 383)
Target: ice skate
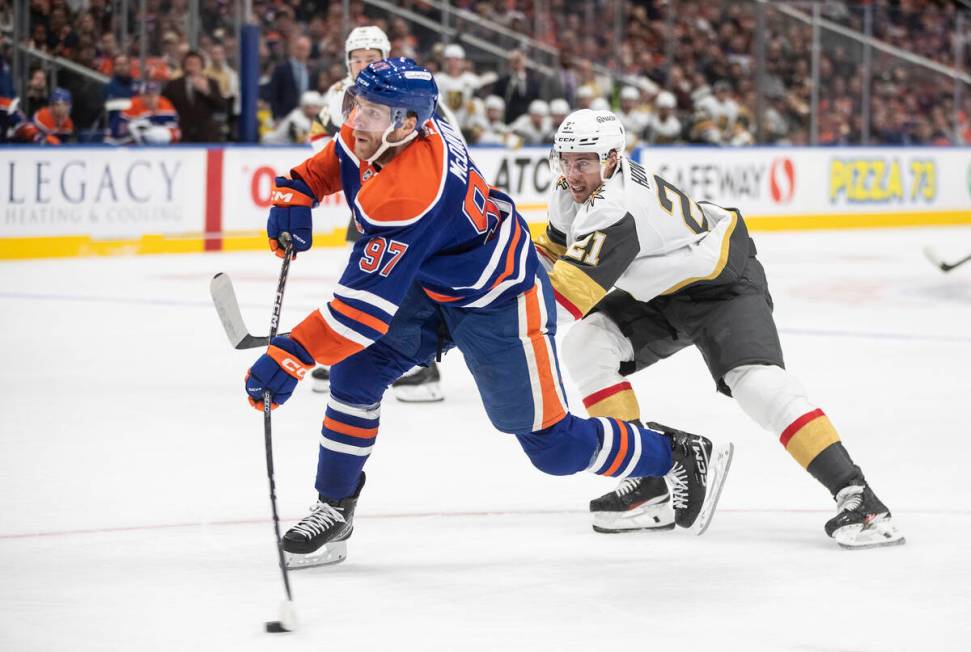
(321, 377)
(696, 477)
(320, 539)
(420, 385)
(636, 504)
(862, 521)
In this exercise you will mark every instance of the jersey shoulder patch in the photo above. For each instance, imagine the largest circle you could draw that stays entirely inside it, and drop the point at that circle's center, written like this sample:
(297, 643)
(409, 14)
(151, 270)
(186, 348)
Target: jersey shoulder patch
(407, 188)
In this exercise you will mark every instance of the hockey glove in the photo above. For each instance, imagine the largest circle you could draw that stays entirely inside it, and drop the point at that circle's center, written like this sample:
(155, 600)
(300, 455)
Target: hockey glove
(278, 370)
(292, 201)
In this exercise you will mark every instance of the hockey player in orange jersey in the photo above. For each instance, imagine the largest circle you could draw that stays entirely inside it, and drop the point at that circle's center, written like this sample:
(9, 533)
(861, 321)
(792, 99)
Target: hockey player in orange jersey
(444, 261)
(151, 119)
(50, 125)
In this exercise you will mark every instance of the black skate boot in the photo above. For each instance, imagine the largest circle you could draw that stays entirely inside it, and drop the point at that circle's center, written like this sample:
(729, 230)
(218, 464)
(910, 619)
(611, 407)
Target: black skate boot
(636, 504)
(862, 521)
(420, 385)
(321, 376)
(696, 477)
(321, 538)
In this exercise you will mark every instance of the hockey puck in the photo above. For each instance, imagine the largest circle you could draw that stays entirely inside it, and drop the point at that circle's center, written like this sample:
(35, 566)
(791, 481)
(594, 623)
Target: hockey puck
(275, 627)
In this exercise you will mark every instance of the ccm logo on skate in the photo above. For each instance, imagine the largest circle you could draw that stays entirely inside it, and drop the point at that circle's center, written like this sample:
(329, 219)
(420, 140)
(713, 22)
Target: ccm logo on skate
(702, 461)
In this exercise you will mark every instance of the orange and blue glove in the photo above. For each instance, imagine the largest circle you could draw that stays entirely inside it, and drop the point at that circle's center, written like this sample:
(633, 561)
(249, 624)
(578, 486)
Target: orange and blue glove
(292, 200)
(278, 370)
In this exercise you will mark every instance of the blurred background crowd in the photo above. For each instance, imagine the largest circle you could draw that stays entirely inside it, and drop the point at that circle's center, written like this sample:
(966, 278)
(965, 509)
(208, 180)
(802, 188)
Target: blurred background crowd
(716, 72)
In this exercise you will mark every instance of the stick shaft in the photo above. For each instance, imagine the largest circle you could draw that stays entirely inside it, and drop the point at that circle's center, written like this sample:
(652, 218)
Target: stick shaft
(267, 421)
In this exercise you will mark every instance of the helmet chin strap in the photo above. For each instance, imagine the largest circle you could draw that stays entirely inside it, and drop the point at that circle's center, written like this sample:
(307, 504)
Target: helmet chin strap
(386, 144)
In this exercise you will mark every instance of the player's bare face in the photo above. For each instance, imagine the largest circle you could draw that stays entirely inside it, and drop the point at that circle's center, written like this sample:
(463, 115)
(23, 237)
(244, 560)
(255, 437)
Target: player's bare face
(358, 60)
(60, 110)
(368, 121)
(582, 174)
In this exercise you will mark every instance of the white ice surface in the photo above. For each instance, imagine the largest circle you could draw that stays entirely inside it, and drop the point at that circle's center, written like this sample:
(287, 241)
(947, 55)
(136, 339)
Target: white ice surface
(134, 509)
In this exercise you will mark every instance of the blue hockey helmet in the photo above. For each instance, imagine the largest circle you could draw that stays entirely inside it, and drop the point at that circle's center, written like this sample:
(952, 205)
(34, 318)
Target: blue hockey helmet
(60, 95)
(398, 83)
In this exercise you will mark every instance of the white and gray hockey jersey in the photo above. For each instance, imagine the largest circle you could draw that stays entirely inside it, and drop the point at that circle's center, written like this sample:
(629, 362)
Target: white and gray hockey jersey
(328, 122)
(640, 234)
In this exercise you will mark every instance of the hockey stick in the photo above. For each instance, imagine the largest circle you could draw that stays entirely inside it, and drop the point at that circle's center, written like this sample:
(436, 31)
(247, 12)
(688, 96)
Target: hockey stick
(288, 616)
(224, 298)
(945, 267)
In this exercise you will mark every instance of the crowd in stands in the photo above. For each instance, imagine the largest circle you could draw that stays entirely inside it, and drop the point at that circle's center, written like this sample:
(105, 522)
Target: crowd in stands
(681, 75)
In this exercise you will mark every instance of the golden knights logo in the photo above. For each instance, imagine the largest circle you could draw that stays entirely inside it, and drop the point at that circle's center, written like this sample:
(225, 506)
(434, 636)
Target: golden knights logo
(596, 194)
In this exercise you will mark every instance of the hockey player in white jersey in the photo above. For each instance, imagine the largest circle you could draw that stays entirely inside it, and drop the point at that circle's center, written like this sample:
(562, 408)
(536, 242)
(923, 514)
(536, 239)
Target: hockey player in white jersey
(649, 272)
(364, 46)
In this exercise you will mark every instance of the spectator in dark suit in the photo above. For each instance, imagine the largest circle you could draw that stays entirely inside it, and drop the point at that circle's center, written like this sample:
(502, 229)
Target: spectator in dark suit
(197, 101)
(518, 88)
(291, 79)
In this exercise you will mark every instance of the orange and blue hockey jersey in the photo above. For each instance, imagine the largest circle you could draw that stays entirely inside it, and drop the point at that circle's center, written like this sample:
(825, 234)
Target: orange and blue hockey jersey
(45, 128)
(164, 115)
(427, 217)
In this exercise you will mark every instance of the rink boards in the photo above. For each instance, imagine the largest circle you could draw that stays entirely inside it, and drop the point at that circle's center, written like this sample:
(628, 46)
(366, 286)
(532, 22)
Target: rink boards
(83, 200)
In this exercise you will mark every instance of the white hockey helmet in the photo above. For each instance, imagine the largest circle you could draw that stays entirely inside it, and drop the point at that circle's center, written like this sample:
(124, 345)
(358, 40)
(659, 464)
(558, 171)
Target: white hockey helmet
(559, 106)
(539, 107)
(665, 100)
(586, 130)
(495, 102)
(453, 51)
(369, 37)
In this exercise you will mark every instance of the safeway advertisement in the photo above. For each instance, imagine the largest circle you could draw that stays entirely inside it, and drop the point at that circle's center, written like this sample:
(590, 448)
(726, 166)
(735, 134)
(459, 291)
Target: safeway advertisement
(783, 182)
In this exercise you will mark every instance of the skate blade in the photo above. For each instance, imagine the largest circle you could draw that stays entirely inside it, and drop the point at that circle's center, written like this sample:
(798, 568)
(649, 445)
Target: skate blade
(424, 393)
(658, 517)
(878, 534)
(721, 461)
(328, 555)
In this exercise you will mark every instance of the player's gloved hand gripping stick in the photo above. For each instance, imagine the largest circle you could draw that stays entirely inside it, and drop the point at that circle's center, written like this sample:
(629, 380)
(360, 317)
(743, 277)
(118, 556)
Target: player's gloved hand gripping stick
(292, 200)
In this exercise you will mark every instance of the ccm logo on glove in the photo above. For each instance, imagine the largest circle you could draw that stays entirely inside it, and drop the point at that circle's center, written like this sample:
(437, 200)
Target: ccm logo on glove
(292, 200)
(278, 197)
(294, 367)
(277, 371)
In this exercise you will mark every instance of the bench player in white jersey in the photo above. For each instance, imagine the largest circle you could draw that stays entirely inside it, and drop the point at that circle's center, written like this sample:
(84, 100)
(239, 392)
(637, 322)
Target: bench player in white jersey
(649, 272)
(364, 46)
